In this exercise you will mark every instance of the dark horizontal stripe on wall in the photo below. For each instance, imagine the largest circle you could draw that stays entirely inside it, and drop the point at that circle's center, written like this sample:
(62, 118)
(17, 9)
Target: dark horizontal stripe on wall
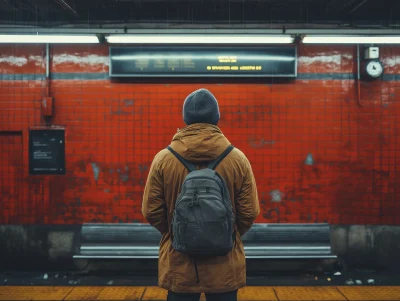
(80, 76)
(391, 77)
(326, 76)
(105, 76)
(56, 76)
(22, 77)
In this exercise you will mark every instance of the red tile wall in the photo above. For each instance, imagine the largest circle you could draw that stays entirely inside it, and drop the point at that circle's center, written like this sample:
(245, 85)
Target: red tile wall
(113, 130)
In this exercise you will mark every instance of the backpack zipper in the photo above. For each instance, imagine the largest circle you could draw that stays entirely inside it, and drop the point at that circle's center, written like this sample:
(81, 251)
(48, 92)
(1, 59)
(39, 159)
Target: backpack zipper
(204, 178)
(207, 188)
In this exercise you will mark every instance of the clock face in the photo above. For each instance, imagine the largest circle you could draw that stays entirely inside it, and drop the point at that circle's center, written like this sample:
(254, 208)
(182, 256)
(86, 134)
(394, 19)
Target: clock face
(374, 69)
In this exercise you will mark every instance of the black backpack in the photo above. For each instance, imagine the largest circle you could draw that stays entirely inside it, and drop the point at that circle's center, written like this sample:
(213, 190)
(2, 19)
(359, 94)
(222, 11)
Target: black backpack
(203, 220)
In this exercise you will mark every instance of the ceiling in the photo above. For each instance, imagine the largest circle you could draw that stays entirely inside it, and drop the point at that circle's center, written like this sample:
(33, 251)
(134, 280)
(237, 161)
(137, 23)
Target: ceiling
(228, 13)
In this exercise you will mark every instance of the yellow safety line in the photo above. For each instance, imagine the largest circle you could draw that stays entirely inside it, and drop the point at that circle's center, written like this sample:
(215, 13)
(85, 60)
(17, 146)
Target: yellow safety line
(250, 293)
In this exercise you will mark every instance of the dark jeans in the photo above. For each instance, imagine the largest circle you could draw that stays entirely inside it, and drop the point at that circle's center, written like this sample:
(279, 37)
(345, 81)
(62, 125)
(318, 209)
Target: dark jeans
(229, 296)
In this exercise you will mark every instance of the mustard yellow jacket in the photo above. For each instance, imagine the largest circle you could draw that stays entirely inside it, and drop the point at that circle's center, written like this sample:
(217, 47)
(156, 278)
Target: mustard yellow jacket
(176, 271)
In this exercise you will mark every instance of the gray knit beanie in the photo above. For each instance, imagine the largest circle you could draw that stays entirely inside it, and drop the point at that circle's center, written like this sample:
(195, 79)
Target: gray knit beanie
(201, 107)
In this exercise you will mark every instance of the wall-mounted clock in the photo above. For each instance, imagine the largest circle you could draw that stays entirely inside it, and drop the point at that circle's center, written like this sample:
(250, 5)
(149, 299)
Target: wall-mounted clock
(373, 69)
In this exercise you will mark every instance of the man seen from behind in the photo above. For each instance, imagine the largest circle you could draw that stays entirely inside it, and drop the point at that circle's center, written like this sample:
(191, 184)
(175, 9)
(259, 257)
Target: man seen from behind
(201, 195)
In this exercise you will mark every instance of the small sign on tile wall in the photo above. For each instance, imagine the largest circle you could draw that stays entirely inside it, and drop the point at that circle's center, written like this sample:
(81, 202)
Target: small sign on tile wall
(46, 151)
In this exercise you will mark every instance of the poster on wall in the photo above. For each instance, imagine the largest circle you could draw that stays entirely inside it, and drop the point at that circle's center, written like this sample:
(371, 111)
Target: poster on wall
(185, 61)
(46, 151)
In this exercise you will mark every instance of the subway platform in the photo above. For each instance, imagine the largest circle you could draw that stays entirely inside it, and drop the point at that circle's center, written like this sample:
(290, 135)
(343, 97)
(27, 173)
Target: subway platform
(261, 293)
(359, 285)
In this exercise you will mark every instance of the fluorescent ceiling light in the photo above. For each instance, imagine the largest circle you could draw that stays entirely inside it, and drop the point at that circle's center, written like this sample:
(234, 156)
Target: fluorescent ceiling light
(199, 39)
(351, 39)
(66, 39)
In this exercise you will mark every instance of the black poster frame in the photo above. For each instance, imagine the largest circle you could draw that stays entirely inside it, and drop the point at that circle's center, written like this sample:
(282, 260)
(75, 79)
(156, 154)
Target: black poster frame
(47, 141)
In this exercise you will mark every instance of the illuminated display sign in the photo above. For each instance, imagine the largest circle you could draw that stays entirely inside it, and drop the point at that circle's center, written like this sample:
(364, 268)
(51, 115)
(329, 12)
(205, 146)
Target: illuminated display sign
(203, 61)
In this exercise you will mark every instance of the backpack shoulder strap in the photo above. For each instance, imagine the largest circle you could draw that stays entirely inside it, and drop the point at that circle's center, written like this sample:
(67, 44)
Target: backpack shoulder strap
(214, 164)
(186, 163)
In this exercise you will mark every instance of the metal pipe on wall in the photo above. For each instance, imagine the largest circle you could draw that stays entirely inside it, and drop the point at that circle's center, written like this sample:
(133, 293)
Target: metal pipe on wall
(47, 101)
(47, 60)
(358, 77)
(47, 70)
